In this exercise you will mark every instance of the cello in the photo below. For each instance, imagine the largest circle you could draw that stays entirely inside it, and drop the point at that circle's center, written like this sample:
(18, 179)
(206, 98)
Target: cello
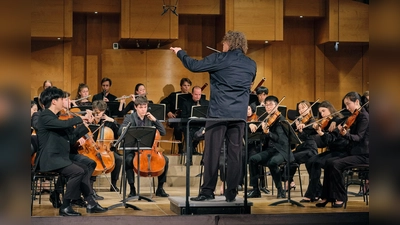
(152, 162)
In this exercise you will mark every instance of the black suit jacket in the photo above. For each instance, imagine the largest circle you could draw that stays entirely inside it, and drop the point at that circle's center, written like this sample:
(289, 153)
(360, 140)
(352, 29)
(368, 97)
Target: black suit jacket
(231, 74)
(100, 96)
(133, 118)
(55, 136)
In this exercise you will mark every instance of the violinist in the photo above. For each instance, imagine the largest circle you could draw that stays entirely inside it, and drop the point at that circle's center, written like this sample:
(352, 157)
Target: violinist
(334, 143)
(55, 136)
(83, 94)
(274, 151)
(105, 95)
(170, 102)
(357, 135)
(308, 147)
(140, 90)
(99, 108)
(143, 118)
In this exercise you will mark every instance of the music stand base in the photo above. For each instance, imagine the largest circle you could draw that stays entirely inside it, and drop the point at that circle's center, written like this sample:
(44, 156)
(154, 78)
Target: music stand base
(123, 204)
(139, 197)
(286, 201)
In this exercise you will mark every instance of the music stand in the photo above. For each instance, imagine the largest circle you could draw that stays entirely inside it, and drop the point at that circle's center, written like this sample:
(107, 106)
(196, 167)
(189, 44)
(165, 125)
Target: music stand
(253, 99)
(139, 138)
(124, 200)
(293, 139)
(112, 109)
(199, 111)
(180, 98)
(158, 111)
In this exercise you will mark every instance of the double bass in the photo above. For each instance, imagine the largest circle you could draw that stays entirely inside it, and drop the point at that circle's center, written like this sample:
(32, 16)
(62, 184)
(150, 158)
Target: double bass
(152, 162)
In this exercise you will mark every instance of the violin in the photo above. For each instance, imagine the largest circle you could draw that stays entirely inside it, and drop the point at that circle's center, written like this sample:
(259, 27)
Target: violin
(306, 118)
(252, 118)
(271, 120)
(351, 119)
(152, 162)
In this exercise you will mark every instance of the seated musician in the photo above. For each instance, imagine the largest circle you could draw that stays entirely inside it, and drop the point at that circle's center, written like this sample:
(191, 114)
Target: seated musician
(99, 109)
(82, 96)
(55, 136)
(275, 150)
(186, 108)
(356, 131)
(143, 118)
(336, 148)
(262, 93)
(105, 95)
(172, 112)
(140, 90)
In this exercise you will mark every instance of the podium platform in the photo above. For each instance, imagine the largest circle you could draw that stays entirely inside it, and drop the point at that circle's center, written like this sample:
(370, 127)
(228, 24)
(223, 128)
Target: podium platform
(214, 206)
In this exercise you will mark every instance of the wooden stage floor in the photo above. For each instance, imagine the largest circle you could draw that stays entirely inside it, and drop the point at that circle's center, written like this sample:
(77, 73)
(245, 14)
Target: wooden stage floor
(161, 206)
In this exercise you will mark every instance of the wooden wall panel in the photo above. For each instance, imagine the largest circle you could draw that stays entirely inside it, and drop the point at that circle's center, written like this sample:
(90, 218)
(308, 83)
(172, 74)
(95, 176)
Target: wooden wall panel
(106, 6)
(47, 18)
(78, 74)
(204, 7)
(305, 8)
(353, 21)
(47, 62)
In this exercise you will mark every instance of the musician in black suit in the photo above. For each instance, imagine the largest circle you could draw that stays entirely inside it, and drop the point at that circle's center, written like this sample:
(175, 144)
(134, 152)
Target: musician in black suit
(141, 118)
(54, 144)
(231, 75)
(186, 108)
(170, 103)
(105, 95)
(275, 150)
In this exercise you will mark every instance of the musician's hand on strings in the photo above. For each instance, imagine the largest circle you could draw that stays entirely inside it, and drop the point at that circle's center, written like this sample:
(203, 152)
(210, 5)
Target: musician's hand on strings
(319, 131)
(253, 128)
(74, 103)
(300, 127)
(342, 130)
(175, 49)
(332, 126)
(81, 141)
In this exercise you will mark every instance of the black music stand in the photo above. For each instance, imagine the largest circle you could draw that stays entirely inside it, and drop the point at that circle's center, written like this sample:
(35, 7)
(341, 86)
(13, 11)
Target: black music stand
(139, 138)
(123, 180)
(157, 110)
(293, 139)
(199, 111)
(113, 109)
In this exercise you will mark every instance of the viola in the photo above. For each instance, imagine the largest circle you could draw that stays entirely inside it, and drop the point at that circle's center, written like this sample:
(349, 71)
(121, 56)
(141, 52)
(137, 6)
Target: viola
(152, 162)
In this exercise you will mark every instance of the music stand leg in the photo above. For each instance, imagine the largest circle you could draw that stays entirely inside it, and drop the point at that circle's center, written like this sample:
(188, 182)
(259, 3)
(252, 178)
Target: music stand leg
(123, 203)
(288, 200)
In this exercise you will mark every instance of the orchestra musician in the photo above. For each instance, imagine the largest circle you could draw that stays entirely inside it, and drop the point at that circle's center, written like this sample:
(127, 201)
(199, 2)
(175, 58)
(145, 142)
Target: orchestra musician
(231, 74)
(308, 147)
(55, 136)
(274, 150)
(143, 118)
(334, 143)
(99, 108)
(186, 108)
(83, 94)
(262, 93)
(140, 90)
(357, 134)
(170, 103)
(105, 95)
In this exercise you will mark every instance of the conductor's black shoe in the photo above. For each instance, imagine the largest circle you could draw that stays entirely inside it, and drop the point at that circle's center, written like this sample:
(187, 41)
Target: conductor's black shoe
(97, 197)
(255, 193)
(55, 199)
(161, 193)
(197, 153)
(79, 202)
(95, 209)
(68, 211)
(203, 197)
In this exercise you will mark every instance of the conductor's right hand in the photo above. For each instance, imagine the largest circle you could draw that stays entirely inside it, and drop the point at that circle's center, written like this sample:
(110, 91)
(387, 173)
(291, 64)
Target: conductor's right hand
(175, 49)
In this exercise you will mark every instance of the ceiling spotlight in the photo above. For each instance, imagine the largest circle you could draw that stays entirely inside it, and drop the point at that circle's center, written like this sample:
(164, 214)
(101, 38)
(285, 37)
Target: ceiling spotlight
(137, 44)
(158, 45)
(336, 47)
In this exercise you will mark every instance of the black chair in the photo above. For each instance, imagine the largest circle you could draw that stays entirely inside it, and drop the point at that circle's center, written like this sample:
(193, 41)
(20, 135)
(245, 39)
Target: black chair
(362, 170)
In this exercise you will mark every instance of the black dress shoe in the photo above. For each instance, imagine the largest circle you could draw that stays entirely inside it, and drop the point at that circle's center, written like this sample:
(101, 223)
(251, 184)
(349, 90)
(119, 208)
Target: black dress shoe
(79, 202)
(305, 200)
(55, 199)
(255, 193)
(321, 204)
(197, 153)
(132, 193)
(97, 197)
(161, 193)
(337, 205)
(230, 200)
(95, 209)
(265, 190)
(203, 197)
(68, 211)
(281, 193)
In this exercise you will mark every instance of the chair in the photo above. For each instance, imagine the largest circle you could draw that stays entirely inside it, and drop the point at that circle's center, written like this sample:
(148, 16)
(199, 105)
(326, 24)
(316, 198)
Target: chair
(363, 173)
